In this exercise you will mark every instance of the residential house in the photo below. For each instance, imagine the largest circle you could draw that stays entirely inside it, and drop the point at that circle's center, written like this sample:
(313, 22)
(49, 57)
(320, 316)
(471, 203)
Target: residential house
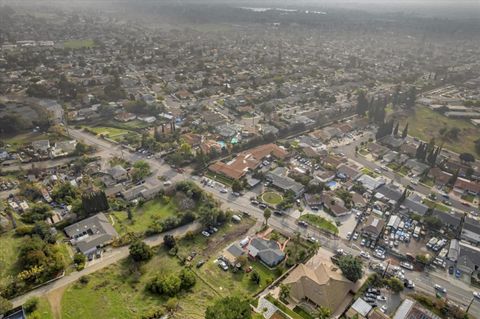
(377, 150)
(348, 171)
(279, 179)
(133, 193)
(41, 146)
(373, 227)
(451, 221)
(370, 183)
(334, 205)
(91, 233)
(323, 286)
(64, 148)
(232, 252)
(125, 117)
(416, 167)
(248, 160)
(392, 142)
(267, 251)
(471, 230)
(413, 204)
(389, 193)
(465, 186)
(359, 309)
(118, 173)
(468, 260)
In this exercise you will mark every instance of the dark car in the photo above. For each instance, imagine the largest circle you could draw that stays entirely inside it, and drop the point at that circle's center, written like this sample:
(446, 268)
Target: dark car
(302, 223)
(450, 270)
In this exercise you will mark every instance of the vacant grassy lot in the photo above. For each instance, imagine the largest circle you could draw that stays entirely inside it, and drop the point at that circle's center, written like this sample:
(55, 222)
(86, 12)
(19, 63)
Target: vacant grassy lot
(9, 245)
(118, 291)
(320, 222)
(78, 44)
(20, 140)
(143, 216)
(425, 124)
(272, 198)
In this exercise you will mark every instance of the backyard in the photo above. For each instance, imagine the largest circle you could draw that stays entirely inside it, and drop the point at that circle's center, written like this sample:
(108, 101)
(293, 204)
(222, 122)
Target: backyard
(425, 124)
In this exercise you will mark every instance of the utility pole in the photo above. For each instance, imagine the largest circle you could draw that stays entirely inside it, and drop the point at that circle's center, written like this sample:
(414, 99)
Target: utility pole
(469, 305)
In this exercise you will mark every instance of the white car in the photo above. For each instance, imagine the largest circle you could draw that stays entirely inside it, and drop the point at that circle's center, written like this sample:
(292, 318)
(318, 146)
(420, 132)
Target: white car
(384, 308)
(223, 191)
(476, 294)
(440, 288)
(406, 265)
(364, 255)
(205, 233)
(381, 298)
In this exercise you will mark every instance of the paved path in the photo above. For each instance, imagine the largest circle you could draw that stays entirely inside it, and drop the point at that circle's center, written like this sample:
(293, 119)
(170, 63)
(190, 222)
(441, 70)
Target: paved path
(108, 258)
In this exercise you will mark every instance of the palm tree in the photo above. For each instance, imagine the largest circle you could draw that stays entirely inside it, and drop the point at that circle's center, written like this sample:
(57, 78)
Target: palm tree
(267, 213)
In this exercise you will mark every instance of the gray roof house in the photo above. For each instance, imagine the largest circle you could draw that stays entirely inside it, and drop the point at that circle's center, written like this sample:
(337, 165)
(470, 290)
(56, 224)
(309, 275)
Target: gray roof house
(449, 220)
(468, 259)
(471, 230)
(91, 233)
(278, 177)
(390, 192)
(118, 173)
(414, 205)
(268, 251)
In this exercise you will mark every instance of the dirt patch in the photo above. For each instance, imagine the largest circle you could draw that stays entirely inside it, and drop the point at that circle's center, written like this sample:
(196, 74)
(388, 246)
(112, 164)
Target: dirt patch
(240, 230)
(55, 299)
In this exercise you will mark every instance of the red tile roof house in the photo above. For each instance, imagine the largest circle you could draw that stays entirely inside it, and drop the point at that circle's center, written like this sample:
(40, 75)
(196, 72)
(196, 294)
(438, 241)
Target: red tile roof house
(464, 186)
(247, 160)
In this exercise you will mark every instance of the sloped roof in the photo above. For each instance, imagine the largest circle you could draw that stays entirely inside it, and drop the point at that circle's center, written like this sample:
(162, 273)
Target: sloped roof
(324, 285)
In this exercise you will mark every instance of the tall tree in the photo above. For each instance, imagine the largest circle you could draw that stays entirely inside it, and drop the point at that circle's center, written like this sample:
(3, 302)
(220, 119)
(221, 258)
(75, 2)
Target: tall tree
(405, 131)
(267, 213)
(395, 130)
(351, 267)
(362, 103)
(411, 97)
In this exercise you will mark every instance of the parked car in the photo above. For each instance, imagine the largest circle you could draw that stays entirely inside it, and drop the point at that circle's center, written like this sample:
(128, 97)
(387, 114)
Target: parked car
(381, 298)
(302, 223)
(409, 284)
(384, 308)
(406, 265)
(205, 233)
(200, 263)
(476, 294)
(364, 255)
(223, 265)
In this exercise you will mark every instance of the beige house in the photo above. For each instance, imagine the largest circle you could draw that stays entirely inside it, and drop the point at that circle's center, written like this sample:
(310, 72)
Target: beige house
(323, 286)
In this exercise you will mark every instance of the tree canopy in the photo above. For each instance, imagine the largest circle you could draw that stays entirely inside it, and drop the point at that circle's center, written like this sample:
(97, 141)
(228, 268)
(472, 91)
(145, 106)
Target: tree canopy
(351, 267)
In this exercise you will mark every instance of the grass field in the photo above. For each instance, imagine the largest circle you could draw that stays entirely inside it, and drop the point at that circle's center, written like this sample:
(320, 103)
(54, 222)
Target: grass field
(118, 291)
(111, 132)
(19, 140)
(272, 198)
(369, 172)
(436, 205)
(143, 216)
(78, 44)
(320, 222)
(43, 310)
(9, 245)
(425, 124)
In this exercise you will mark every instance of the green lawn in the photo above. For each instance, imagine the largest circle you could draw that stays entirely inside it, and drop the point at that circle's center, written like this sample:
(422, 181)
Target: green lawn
(369, 172)
(143, 216)
(118, 290)
(320, 222)
(272, 198)
(469, 198)
(436, 205)
(43, 310)
(78, 44)
(219, 178)
(9, 245)
(284, 308)
(107, 131)
(425, 124)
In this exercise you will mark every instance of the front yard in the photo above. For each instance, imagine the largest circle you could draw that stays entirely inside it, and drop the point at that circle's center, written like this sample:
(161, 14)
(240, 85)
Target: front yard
(320, 222)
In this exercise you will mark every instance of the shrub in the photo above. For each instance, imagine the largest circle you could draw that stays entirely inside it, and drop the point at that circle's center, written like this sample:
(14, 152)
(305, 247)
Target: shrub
(139, 251)
(31, 305)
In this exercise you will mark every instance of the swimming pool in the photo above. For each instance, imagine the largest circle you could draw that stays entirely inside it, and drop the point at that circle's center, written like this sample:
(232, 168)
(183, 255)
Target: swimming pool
(332, 184)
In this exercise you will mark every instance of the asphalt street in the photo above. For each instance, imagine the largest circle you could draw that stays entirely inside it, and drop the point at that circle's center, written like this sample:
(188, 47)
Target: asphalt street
(457, 291)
